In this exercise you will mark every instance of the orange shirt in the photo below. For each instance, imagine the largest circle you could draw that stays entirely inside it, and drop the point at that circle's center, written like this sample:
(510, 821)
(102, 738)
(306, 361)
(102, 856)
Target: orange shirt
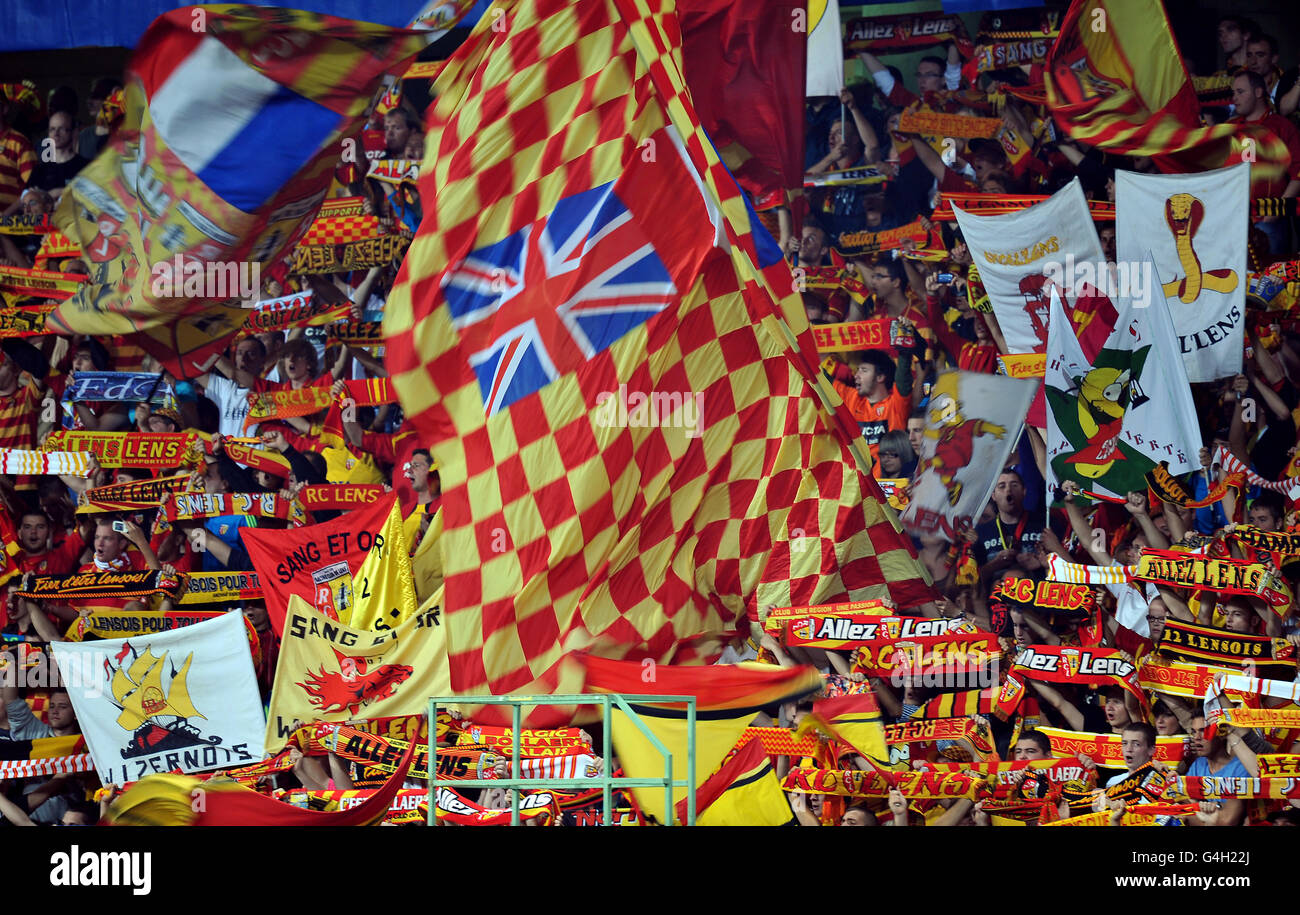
(878, 418)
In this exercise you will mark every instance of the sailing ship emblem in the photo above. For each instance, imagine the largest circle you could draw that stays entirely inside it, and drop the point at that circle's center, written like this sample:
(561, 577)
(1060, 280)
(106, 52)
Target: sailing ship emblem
(158, 714)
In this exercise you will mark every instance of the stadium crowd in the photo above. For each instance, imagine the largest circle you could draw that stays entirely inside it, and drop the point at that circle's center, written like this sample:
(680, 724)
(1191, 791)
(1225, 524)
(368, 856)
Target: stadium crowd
(45, 142)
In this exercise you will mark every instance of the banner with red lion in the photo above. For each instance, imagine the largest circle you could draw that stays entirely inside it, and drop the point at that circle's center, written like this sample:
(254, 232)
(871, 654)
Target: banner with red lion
(330, 671)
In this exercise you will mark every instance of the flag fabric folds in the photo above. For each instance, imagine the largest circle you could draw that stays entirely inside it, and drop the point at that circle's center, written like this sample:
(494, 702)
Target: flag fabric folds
(972, 422)
(1023, 255)
(855, 720)
(1115, 80)
(746, 62)
(321, 562)
(235, 117)
(168, 800)
(1194, 229)
(727, 699)
(182, 700)
(825, 71)
(744, 792)
(634, 450)
(1117, 411)
(329, 671)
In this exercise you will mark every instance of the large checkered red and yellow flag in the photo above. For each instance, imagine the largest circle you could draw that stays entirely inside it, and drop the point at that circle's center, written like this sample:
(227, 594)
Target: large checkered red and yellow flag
(634, 452)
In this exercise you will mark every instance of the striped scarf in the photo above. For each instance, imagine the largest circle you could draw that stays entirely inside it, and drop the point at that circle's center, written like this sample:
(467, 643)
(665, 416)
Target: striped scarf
(1233, 464)
(1059, 569)
(40, 463)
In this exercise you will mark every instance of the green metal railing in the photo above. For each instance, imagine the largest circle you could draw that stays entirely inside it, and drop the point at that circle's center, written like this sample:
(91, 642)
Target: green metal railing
(605, 780)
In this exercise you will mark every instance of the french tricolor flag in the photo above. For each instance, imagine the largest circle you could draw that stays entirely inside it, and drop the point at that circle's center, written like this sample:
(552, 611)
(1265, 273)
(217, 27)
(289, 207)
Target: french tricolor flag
(248, 136)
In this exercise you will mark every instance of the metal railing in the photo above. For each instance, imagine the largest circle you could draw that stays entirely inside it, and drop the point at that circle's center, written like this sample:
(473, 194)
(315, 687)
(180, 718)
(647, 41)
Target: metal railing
(605, 780)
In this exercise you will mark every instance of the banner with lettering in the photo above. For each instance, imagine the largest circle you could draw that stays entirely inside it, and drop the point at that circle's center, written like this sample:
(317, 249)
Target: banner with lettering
(137, 495)
(1022, 255)
(82, 586)
(1104, 749)
(192, 506)
(361, 253)
(316, 562)
(25, 282)
(103, 623)
(1206, 645)
(972, 422)
(1224, 576)
(299, 309)
(859, 783)
(118, 387)
(855, 244)
(339, 496)
(1088, 666)
(182, 700)
(329, 671)
(532, 742)
(150, 450)
(879, 34)
(1178, 678)
(221, 588)
(1054, 596)
(356, 333)
(273, 462)
(777, 617)
(1194, 228)
(875, 333)
(23, 321)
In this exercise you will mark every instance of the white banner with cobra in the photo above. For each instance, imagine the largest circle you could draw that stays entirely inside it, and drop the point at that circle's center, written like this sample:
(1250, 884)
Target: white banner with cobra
(1194, 227)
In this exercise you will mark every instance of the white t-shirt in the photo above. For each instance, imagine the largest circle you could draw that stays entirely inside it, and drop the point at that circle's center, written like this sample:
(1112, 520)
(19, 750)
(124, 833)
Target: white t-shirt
(231, 400)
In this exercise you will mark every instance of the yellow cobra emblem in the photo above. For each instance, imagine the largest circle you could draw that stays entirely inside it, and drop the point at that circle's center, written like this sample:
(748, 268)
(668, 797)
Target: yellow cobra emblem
(1184, 213)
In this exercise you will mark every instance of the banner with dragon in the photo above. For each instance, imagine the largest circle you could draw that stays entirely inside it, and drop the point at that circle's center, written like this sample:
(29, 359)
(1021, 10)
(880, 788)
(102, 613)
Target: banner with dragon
(184, 700)
(330, 671)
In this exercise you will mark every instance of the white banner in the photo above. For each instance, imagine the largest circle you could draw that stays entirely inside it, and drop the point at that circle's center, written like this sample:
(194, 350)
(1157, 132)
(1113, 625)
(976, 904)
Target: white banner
(825, 48)
(1115, 414)
(182, 700)
(1021, 255)
(1194, 227)
(973, 422)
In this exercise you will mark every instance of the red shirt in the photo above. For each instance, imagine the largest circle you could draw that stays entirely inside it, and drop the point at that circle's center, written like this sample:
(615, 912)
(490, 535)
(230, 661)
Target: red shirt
(1287, 133)
(59, 560)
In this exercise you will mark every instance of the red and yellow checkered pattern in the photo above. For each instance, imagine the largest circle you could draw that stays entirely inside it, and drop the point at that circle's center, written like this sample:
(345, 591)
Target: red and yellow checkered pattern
(564, 534)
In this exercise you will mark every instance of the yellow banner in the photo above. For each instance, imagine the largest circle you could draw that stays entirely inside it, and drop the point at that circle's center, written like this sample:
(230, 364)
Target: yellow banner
(383, 587)
(1023, 365)
(330, 671)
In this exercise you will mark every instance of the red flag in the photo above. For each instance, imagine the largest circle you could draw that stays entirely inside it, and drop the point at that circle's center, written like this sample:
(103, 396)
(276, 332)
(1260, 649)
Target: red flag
(744, 65)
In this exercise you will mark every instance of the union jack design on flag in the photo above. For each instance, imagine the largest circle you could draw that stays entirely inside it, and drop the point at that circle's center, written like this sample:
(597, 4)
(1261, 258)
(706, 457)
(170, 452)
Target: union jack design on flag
(582, 237)
(544, 300)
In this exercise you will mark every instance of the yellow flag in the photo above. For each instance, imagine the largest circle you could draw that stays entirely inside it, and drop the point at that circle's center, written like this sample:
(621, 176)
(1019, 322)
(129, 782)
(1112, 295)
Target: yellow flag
(714, 738)
(330, 671)
(383, 587)
(427, 561)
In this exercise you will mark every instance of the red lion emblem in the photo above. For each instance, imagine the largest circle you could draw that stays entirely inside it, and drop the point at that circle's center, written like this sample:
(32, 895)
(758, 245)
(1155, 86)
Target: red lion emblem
(354, 686)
